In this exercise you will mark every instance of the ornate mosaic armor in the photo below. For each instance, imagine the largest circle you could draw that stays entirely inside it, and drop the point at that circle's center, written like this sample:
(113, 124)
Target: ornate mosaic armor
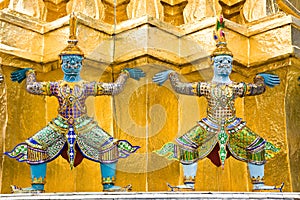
(72, 133)
(221, 131)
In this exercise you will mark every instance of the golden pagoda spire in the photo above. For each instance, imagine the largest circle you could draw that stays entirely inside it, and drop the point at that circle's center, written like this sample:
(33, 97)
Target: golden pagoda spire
(219, 37)
(73, 27)
(72, 48)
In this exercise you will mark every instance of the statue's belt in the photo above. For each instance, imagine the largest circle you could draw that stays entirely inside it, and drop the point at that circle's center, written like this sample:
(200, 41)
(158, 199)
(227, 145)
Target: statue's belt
(231, 126)
(81, 124)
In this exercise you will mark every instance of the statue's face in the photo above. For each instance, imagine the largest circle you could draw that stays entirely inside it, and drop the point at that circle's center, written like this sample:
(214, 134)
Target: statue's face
(222, 65)
(71, 64)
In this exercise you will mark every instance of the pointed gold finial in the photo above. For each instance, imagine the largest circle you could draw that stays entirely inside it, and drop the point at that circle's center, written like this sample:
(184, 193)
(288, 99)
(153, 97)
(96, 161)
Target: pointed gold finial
(72, 48)
(219, 37)
(73, 27)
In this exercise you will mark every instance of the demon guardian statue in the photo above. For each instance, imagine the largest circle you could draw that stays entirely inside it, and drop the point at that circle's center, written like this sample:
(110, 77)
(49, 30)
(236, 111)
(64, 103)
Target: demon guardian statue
(72, 133)
(221, 133)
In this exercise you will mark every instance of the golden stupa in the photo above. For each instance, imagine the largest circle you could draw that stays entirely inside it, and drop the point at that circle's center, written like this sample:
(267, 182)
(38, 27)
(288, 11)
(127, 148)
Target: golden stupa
(263, 35)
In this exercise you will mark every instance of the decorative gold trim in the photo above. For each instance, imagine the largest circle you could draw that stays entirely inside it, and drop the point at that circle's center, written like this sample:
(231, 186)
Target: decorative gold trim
(30, 71)
(108, 180)
(189, 179)
(39, 180)
(34, 155)
(257, 180)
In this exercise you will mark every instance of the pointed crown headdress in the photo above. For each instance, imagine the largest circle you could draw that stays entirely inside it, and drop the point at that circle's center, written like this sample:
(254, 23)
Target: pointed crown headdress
(219, 37)
(72, 48)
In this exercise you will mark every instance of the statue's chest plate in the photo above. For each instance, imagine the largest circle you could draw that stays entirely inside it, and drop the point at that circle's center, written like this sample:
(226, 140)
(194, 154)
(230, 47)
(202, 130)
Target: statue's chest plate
(71, 94)
(222, 95)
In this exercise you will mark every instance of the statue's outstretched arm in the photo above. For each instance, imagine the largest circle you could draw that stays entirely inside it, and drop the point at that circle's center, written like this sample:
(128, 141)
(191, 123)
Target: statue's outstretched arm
(260, 82)
(270, 80)
(118, 85)
(178, 86)
(32, 86)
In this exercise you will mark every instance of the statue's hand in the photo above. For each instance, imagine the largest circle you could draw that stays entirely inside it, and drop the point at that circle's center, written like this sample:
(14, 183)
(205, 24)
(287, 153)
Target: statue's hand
(270, 80)
(135, 73)
(161, 77)
(19, 75)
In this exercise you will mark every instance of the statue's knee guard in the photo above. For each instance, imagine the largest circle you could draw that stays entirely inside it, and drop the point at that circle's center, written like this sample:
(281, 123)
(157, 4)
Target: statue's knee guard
(256, 152)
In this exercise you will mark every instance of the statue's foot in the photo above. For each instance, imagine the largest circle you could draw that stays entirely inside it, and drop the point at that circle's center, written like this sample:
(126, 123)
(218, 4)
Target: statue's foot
(263, 187)
(181, 188)
(114, 188)
(16, 189)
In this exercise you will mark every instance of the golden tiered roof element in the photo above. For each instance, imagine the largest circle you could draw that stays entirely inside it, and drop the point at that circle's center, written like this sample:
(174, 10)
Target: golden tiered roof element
(55, 9)
(115, 11)
(173, 11)
(290, 6)
(233, 10)
(34, 8)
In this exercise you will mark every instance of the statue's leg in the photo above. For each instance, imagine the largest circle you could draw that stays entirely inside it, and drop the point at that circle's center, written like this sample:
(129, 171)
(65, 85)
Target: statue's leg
(247, 145)
(256, 156)
(38, 174)
(187, 150)
(257, 177)
(108, 173)
(189, 172)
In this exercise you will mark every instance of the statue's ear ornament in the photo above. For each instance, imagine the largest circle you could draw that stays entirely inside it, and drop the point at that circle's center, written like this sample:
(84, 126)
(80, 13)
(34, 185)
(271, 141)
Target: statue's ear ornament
(219, 37)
